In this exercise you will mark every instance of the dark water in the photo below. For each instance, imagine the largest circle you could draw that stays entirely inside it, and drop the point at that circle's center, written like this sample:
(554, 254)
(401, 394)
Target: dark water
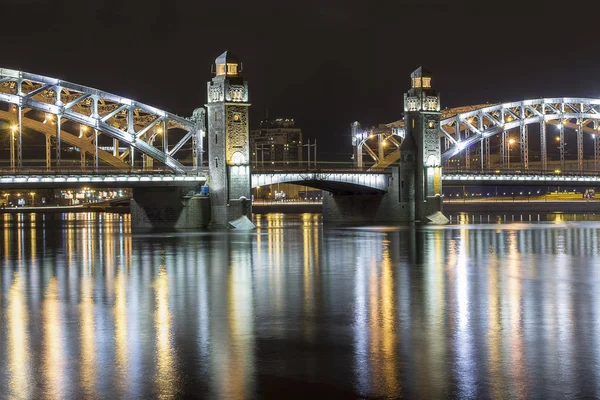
(293, 310)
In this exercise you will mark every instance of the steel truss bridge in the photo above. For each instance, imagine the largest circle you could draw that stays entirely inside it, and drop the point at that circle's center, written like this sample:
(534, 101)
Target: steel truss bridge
(82, 117)
(469, 134)
(124, 143)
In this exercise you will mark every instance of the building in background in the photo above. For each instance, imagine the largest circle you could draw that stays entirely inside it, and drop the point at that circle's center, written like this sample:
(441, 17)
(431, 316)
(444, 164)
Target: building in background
(276, 141)
(279, 142)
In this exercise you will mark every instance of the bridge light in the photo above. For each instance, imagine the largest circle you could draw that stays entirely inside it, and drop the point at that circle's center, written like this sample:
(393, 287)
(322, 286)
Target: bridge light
(511, 141)
(159, 130)
(558, 138)
(14, 128)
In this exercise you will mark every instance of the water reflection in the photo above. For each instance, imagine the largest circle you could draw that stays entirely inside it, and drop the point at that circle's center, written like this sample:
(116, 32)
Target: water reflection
(505, 311)
(19, 367)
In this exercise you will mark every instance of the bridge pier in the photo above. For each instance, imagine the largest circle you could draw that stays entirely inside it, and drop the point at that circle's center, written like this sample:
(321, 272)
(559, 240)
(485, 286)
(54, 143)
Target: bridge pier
(351, 208)
(168, 208)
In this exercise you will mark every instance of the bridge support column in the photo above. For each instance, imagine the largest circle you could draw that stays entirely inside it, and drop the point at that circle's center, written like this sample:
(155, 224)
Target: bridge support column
(596, 150)
(580, 144)
(168, 208)
(414, 192)
(228, 146)
(350, 208)
(543, 146)
(524, 146)
(48, 152)
(421, 158)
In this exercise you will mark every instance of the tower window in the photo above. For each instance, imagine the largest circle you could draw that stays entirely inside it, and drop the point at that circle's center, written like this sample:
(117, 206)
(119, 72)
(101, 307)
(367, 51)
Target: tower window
(232, 69)
(216, 162)
(426, 82)
(416, 82)
(220, 69)
(413, 122)
(216, 138)
(216, 116)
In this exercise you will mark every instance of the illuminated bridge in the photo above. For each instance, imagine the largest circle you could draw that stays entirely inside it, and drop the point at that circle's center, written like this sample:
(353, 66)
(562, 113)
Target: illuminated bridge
(61, 134)
(520, 135)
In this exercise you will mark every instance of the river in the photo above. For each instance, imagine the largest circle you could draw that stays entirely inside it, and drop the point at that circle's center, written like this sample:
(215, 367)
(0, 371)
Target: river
(294, 309)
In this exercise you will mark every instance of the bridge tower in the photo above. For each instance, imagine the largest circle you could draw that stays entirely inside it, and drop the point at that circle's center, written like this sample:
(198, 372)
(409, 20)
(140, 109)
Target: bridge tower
(228, 142)
(420, 153)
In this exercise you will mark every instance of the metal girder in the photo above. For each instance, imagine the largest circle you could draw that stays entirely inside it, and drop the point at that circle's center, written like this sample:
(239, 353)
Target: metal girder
(543, 146)
(524, 146)
(561, 145)
(72, 94)
(580, 145)
(503, 117)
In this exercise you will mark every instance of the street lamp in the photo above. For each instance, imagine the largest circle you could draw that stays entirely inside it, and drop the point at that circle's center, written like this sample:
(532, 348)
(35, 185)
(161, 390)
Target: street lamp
(510, 142)
(32, 194)
(13, 130)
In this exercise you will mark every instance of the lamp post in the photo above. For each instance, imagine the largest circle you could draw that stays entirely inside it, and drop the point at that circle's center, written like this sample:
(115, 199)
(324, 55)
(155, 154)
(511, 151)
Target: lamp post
(32, 194)
(13, 130)
(510, 142)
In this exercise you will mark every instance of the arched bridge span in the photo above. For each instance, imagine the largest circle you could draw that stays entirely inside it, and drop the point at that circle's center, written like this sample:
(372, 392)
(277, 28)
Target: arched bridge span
(464, 127)
(336, 182)
(137, 126)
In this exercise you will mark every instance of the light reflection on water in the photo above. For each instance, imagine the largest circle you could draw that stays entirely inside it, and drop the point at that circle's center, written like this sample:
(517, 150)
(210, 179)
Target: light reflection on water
(88, 309)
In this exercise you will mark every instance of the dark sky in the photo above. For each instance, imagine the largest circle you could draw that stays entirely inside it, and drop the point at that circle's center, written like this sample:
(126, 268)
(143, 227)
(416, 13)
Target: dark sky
(324, 63)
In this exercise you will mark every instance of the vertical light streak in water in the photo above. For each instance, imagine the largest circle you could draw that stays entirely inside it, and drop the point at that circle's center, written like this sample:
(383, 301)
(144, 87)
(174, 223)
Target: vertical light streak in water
(465, 362)
(121, 332)
(563, 310)
(88, 334)
(307, 270)
(361, 326)
(20, 239)
(275, 238)
(435, 372)
(389, 362)
(53, 367)
(241, 317)
(494, 336)
(515, 339)
(19, 367)
(165, 362)
(33, 239)
(7, 236)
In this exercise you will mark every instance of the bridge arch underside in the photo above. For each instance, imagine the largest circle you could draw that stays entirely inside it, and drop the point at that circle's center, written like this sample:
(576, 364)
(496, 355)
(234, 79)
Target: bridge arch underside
(480, 135)
(129, 134)
(333, 183)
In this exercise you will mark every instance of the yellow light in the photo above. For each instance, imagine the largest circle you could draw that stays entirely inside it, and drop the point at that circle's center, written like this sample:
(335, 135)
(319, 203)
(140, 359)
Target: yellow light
(14, 128)
(509, 118)
(558, 138)
(84, 128)
(511, 141)
(159, 130)
(557, 171)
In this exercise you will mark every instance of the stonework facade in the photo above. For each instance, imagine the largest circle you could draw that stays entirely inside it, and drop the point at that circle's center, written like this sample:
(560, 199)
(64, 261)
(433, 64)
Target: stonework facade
(228, 142)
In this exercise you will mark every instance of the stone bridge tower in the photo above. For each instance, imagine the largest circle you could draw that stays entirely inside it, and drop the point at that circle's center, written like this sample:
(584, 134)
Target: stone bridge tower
(228, 142)
(420, 152)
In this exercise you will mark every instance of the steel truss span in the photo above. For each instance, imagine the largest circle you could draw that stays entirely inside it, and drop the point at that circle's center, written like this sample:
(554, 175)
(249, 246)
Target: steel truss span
(463, 128)
(132, 125)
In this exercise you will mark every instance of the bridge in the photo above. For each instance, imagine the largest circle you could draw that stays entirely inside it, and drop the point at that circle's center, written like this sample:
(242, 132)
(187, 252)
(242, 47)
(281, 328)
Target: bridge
(94, 138)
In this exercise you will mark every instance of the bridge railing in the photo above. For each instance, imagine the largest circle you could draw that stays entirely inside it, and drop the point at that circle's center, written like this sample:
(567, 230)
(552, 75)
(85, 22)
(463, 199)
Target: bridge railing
(519, 171)
(41, 171)
(318, 167)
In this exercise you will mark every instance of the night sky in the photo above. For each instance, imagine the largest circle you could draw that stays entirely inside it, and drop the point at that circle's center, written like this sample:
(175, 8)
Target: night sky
(324, 63)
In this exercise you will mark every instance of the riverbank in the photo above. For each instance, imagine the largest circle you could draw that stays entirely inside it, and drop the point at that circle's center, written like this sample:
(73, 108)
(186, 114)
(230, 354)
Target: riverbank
(65, 209)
